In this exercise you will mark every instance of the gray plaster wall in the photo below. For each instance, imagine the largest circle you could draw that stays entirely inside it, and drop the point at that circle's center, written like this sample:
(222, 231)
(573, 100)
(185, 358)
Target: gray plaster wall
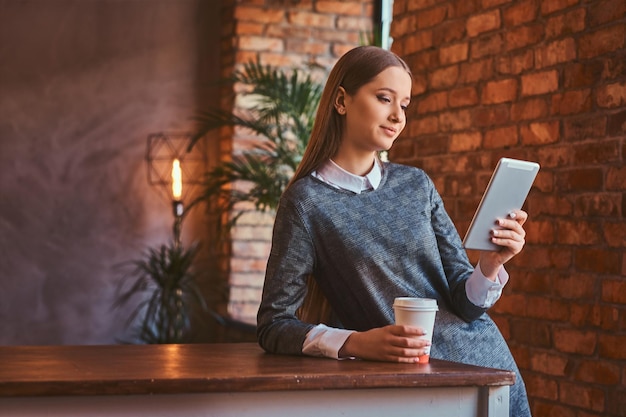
(82, 84)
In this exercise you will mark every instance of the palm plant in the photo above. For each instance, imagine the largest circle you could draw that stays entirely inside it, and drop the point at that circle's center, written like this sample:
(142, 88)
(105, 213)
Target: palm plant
(281, 113)
(166, 274)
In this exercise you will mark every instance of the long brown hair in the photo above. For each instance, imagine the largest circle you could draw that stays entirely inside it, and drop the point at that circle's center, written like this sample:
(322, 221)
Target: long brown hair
(354, 69)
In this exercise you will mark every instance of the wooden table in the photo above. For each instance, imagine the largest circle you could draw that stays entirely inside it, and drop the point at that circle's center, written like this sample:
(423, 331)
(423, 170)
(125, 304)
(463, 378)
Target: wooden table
(236, 380)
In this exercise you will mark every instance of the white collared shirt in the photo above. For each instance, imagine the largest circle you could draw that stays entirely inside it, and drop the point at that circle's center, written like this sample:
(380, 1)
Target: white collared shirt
(327, 341)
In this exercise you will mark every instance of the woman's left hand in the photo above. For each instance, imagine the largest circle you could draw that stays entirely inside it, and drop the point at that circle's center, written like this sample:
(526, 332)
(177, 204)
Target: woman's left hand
(510, 236)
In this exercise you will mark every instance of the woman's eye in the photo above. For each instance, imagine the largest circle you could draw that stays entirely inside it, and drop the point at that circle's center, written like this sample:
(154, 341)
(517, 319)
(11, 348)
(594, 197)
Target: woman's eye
(404, 107)
(384, 99)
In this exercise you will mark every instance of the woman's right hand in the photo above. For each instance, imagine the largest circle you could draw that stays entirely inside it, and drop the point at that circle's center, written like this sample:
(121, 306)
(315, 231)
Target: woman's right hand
(392, 343)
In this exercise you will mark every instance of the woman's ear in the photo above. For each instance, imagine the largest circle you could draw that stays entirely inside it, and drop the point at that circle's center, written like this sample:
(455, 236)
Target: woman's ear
(340, 101)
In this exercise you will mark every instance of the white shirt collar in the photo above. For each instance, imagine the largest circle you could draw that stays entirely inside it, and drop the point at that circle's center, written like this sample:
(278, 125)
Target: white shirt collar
(336, 176)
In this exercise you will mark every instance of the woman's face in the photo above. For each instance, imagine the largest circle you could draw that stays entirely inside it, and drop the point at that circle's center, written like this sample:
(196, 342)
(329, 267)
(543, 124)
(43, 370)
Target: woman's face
(375, 114)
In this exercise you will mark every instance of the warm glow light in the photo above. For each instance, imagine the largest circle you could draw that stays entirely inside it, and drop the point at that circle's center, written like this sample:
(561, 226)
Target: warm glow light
(177, 180)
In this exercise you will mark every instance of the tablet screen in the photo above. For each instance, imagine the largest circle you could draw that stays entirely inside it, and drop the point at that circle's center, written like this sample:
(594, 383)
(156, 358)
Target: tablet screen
(507, 190)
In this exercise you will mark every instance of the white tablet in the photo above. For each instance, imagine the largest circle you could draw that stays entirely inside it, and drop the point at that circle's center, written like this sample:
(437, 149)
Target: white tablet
(507, 190)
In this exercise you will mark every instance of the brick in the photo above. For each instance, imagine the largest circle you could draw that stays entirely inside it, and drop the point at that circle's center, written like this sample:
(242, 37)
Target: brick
(606, 11)
(581, 395)
(542, 387)
(424, 126)
(491, 116)
(413, 5)
(612, 346)
(418, 41)
(614, 291)
(247, 265)
(616, 178)
(471, 72)
(602, 261)
(523, 36)
(520, 12)
(515, 63)
(500, 91)
(260, 43)
(300, 46)
(484, 22)
(461, 8)
(433, 102)
(503, 137)
(433, 145)
(577, 75)
(448, 31)
(615, 235)
(530, 109)
(548, 309)
(539, 232)
(616, 402)
(259, 14)
(611, 95)
(453, 54)
(556, 52)
(355, 24)
(614, 66)
(511, 304)
(281, 60)
(487, 45)
(601, 41)
(443, 77)
(423, 60)
(403, 25)
(249, 28)
(487, 4)
(310, 19)
(585, 127)
(460, 97)
(575, 341)
(571, 102)
(580, 179)
(540, 83)
(540, 408)
(431, 17)
(566, 24)
(598, 204)
(351, 8)
(575, 286)
(571, 232)
(552, 6)
(616, 124)
(463, 142)
(455, 120)
(548, 204)
(597, 153)
(540, 133)
(529, 331)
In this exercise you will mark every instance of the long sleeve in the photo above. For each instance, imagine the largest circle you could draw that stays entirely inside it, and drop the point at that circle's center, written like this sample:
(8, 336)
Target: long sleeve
(290, 262)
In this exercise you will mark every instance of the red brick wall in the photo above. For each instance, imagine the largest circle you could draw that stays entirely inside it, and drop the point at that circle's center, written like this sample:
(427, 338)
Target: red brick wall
(544, 81)
(287, 34)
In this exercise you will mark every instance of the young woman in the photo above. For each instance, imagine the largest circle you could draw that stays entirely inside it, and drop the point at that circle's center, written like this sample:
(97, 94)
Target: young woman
(368, 231)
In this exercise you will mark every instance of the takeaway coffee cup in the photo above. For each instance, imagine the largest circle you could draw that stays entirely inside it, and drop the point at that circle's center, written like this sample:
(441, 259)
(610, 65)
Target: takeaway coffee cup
(418, 312)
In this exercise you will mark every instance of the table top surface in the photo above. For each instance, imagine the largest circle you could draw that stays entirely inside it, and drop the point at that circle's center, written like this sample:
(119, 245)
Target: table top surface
(192, 368)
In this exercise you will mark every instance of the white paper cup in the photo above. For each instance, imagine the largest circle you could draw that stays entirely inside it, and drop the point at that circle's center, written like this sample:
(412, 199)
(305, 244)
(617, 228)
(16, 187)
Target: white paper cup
(417, 312)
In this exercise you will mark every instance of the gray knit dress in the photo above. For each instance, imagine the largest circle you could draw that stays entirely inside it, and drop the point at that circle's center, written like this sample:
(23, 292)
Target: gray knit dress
(365, 250)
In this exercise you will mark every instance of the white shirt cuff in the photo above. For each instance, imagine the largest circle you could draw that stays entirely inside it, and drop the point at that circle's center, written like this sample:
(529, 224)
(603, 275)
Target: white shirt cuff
(325, 341)
(483, 292)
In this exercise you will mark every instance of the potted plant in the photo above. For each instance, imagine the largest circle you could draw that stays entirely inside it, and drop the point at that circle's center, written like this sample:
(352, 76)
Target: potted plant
(281, 114)
(166, 274)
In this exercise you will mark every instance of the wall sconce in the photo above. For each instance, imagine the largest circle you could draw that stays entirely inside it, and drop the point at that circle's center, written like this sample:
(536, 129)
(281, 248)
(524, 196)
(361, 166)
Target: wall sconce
(175, 169)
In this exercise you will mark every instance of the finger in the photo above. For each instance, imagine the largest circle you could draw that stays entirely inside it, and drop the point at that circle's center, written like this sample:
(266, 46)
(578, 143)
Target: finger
(520, 216)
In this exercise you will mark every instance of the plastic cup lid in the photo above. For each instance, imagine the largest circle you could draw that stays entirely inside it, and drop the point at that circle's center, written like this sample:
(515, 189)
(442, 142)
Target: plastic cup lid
(414, 302)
